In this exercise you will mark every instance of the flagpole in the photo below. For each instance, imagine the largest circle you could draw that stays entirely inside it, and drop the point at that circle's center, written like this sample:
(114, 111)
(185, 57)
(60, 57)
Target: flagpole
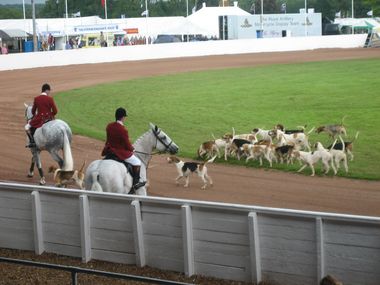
(106, 16)
(66, 17)
(305, 18)
(35, 42)
(146, 21)
(352, 8)
(23, 9)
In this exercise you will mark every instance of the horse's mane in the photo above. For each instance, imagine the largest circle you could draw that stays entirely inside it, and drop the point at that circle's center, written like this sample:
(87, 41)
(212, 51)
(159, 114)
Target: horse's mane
(137, 141)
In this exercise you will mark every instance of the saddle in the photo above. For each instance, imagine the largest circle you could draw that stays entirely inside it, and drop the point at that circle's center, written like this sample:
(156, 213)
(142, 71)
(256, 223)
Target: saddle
(112, 156)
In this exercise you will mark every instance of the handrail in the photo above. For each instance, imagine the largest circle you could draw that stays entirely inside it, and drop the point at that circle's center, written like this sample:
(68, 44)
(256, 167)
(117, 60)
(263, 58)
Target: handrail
(75, 270)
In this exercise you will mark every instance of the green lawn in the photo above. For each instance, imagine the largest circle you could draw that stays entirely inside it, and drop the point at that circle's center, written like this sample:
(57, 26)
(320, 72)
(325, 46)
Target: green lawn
(192, 106)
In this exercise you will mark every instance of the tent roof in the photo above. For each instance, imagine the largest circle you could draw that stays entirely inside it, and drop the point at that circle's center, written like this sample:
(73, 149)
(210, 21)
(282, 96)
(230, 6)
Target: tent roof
(12, 33)
(360, 22)
(219, 11)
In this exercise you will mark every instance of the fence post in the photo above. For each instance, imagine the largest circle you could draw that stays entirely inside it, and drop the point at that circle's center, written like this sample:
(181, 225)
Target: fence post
(187, 238)
(85, 233)
(138, 233)
(320, 249)
(254, 246)
(37, 223)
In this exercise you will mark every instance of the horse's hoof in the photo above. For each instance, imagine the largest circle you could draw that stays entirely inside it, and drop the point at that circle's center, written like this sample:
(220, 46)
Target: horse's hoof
(42, 181)
(30, 174)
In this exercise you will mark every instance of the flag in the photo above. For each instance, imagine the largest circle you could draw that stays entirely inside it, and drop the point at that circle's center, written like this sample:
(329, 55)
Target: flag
(145, 13)
(370, 13)
(338, 15)
(103, 3)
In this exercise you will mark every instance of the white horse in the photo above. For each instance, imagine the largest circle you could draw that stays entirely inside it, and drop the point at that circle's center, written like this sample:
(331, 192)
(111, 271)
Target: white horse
(52, 136)
(112, 176)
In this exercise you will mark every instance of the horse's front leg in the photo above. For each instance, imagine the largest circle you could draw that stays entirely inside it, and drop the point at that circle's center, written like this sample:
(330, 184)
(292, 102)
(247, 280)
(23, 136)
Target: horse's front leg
(31, 169)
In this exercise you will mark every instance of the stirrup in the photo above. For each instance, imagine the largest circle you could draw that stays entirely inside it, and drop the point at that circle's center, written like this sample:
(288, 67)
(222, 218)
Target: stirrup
(138, 185)
(31, 145)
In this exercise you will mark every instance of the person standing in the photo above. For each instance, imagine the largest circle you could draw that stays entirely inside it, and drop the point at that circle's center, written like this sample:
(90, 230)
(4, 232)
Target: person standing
(119, 147)
(43, 110)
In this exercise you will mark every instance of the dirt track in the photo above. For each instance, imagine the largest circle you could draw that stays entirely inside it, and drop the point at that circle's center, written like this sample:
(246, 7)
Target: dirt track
(232, 184)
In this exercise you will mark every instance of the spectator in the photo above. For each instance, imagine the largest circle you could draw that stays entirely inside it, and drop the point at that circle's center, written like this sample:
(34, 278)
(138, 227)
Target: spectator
(4, 49)
(51, 42)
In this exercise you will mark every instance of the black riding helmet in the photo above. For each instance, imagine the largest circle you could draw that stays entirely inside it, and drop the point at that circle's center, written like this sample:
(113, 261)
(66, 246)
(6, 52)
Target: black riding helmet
(120, 113)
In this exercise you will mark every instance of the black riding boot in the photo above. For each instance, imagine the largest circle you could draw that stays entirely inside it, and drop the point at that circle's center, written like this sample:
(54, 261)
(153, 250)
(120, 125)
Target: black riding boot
(32, 143)
(136, 178)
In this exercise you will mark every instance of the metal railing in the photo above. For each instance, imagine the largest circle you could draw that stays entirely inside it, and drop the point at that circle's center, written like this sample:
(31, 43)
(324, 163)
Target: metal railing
(75, 270)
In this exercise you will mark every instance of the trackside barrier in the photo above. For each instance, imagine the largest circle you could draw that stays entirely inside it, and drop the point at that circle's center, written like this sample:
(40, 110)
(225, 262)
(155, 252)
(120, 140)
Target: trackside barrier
(228, 241)
(75, 270)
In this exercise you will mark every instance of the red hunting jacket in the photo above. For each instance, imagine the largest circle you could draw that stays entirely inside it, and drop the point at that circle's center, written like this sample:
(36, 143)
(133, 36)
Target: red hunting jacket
(118, 141)
(44, 110)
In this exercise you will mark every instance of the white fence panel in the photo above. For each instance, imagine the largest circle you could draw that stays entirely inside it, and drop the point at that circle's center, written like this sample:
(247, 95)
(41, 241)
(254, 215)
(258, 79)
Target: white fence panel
(221, 243)
(236, 242)
(61, 223)
(111, 230)
(16, 224)
(352, 251)
(162, 227)
(288, 249)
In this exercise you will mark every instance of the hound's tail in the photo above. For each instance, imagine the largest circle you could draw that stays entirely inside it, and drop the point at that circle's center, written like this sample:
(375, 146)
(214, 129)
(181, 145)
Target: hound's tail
(95, 182)
(210, 160)
(82, 168)
(356, 136)
(343, 144)
(68, 163)
(343, 120)
(332, 146)
(312, 129)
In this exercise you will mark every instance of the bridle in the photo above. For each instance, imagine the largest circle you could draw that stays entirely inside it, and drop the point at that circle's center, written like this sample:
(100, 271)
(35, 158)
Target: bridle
(158, 139)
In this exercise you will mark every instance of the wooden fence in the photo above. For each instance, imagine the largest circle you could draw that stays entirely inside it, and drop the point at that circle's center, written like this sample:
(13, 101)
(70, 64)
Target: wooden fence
(228, 241)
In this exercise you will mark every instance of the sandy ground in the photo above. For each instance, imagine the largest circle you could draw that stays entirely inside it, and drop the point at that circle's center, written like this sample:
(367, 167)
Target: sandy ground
(231, 184)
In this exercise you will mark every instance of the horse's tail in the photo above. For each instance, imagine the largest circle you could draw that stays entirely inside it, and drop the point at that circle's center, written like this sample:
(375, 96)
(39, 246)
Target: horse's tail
(95, 182)
(68, 163)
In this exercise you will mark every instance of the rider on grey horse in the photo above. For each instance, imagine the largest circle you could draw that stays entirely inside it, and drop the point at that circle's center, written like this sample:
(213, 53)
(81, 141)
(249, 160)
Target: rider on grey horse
(119, 147)
(44, 110)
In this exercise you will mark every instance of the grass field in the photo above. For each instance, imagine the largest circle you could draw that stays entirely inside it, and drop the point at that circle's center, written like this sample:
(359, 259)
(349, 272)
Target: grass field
(189, 107)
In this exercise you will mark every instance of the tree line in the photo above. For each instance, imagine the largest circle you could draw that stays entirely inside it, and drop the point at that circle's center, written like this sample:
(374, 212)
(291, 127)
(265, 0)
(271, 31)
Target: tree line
(159, 8)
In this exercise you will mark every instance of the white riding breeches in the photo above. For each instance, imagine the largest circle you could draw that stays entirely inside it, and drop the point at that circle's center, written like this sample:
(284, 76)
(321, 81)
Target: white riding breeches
(134, 160)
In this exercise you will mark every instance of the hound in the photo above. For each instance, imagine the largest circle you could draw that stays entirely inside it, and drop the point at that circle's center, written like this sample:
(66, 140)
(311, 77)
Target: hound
(339, 155)
(285, 152)
(256, 151)
(208, 149)
(326, 158)
(235, 147)
(63, 178)
(288, 132)
(186, 168)
(307, 159)
(223, 143)
(333, 130)
(347, 146)
(264, 134)
(300, 139)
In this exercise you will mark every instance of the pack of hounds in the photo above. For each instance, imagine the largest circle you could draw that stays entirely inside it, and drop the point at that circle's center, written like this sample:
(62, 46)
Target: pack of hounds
(277, 145)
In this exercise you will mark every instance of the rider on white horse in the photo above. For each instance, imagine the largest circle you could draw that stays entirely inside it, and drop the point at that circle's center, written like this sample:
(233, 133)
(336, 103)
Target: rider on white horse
(119, 147)
(44, 110)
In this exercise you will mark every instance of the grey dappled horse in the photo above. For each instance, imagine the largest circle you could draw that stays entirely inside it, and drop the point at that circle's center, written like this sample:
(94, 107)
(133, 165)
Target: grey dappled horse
(112, 176)
(52, 136)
